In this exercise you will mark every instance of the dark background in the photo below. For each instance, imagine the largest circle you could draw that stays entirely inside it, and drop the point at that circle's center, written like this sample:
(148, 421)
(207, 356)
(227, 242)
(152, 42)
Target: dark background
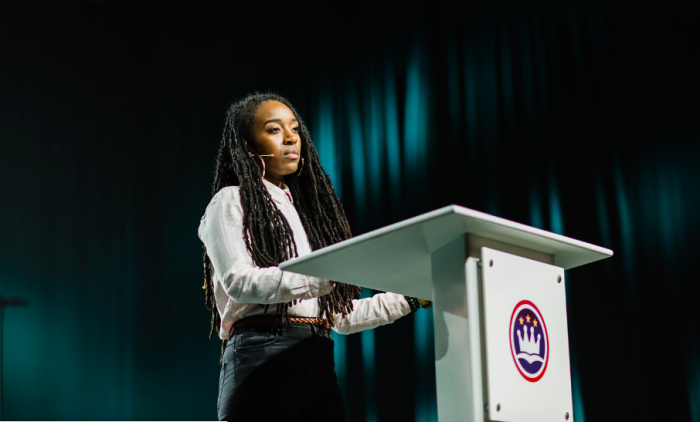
(578, 118)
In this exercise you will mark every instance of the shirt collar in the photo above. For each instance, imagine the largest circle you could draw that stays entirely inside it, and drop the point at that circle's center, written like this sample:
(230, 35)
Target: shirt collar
(279, 194)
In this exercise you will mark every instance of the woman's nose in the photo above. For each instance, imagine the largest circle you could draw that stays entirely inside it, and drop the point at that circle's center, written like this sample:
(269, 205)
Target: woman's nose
(291, 138)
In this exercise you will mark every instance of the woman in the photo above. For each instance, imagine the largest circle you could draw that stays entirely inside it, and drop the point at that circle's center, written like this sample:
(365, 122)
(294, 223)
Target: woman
(273, 201)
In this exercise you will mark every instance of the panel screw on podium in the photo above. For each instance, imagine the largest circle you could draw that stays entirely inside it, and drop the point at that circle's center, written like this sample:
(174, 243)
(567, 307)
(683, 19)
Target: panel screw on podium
(498, 407)
(491, 263)
(559, 281)
(566, 416)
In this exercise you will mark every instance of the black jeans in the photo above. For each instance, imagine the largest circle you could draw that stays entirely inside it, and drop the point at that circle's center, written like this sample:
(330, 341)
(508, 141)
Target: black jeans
(280, 373)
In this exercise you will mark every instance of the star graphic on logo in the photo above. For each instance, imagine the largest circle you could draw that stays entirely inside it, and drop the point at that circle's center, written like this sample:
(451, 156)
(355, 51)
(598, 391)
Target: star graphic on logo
(527, 317)
(521, 320)
(535, 322)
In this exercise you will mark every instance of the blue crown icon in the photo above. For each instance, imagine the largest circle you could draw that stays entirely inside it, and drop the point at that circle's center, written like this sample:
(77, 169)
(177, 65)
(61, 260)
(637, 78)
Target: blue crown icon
(529, 349)
(529, 341)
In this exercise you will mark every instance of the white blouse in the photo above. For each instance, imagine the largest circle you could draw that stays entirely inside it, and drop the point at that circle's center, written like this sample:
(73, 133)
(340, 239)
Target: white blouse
(242, 289)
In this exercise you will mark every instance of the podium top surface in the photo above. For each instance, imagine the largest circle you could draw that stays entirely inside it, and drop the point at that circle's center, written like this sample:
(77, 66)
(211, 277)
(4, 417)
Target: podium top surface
(397, 257)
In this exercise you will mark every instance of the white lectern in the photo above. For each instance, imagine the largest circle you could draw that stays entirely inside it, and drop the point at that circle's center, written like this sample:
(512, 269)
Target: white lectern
(499, 300)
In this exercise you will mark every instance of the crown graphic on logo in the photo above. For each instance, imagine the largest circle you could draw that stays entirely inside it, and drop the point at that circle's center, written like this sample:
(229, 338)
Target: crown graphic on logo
(527, 345)
(530, 351)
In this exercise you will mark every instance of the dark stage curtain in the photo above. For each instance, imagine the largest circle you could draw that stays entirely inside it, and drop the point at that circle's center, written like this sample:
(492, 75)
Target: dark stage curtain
(575, 118)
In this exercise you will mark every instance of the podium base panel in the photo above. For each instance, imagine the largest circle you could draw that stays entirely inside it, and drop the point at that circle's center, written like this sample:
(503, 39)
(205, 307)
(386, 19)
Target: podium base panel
(458, 357)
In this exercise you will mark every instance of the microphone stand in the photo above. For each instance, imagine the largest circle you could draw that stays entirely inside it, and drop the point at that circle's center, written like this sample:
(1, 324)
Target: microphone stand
(6, 302)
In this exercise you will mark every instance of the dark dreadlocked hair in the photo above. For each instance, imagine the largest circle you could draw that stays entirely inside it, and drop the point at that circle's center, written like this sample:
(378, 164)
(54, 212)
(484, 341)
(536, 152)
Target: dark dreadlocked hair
(267, 234)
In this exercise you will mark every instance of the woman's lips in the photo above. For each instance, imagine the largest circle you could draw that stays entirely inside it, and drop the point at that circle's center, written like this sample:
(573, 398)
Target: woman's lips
(291, 154)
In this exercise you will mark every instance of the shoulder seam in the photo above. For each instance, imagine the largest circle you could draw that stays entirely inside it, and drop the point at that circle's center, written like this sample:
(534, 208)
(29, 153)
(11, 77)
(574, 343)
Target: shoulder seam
(226, 189)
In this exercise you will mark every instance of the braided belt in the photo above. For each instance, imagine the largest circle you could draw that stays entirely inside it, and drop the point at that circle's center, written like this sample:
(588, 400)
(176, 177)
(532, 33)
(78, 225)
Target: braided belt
(270, 320)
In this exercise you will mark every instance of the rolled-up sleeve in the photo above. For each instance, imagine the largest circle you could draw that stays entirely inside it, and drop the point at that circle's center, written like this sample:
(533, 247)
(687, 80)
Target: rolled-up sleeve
(372, 312)
(221, 231)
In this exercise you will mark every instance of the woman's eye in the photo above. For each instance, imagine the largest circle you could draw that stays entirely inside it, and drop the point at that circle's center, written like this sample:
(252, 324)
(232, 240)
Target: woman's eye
(276, 129)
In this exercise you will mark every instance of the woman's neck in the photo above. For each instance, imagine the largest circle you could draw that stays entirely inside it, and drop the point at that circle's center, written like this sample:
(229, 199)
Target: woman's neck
(275, 181)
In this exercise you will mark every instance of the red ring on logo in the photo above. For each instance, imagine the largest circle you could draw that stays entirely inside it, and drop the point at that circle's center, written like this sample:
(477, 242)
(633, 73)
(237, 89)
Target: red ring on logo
(510, 340)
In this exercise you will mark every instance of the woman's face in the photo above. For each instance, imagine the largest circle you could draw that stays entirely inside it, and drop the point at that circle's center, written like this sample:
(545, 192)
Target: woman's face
(276, 131)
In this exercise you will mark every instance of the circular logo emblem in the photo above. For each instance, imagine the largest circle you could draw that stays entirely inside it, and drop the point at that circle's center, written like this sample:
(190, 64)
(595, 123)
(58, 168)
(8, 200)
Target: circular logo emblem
(529, 342)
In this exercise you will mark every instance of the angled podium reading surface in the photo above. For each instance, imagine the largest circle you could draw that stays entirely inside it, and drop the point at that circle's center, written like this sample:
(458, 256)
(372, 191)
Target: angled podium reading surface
(499, 303)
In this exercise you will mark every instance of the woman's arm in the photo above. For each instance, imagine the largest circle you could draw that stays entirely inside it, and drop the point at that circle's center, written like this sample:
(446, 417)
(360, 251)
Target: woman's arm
(221, 230)
(371, 312)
